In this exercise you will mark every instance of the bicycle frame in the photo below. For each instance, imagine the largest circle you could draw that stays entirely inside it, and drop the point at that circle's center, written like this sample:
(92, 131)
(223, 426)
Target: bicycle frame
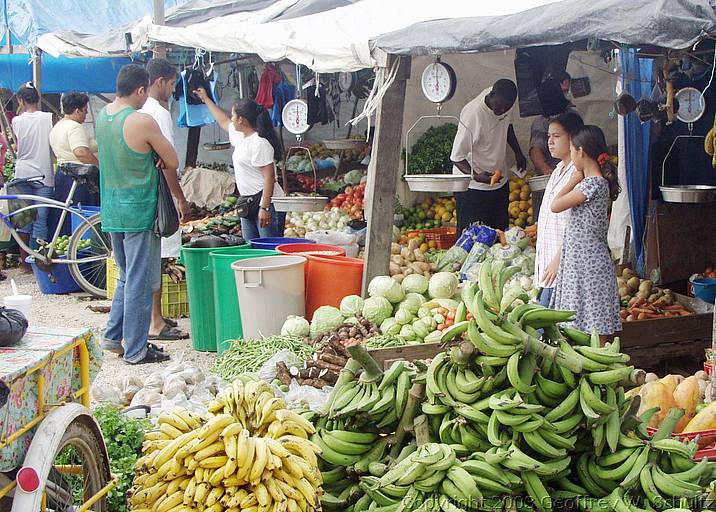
(47, 203)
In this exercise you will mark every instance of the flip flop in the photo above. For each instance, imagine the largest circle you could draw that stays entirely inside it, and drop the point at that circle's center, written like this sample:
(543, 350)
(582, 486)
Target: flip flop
(151, 346)
(169, 333)
(153, 356)
(170, 322)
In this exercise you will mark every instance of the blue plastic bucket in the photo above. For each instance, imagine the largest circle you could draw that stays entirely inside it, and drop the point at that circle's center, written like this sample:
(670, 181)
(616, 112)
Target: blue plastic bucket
(87, 212)
(271, 243)
(705, 289)
(63, 281)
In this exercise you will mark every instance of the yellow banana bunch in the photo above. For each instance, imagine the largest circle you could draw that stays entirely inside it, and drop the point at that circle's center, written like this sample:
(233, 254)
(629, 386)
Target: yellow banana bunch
(710, 143)
(250, 453)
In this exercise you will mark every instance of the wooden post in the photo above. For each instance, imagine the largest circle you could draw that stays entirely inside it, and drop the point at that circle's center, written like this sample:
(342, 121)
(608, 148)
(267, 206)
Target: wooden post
(160, 50)
(383, 173)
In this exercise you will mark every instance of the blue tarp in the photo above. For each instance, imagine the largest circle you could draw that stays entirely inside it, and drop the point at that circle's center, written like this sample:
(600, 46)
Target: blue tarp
(29, 19)
(637, 76)
(62, 74)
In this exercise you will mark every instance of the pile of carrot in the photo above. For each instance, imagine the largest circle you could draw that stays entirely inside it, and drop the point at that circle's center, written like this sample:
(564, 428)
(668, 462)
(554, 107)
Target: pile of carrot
(642, 310)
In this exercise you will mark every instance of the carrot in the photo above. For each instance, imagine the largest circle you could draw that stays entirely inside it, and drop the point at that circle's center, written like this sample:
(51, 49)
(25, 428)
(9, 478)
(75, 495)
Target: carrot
(502, 237)
(675, 307)
(644, 310)
(496, 177)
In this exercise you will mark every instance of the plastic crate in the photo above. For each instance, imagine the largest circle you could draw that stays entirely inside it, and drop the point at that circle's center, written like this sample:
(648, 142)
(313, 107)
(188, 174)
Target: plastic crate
(708, 368)
(707, 441)
(175, 303)
(443, 237)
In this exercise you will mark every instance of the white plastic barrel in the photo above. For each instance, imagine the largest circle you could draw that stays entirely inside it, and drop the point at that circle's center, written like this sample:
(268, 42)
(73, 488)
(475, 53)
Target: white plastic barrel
(270, 288)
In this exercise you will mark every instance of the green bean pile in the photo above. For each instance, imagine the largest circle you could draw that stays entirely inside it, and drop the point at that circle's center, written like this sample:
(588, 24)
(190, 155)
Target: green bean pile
(383, 341)
(250, 355)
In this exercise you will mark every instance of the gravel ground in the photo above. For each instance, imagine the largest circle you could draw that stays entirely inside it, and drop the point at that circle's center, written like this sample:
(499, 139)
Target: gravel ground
(72, 311)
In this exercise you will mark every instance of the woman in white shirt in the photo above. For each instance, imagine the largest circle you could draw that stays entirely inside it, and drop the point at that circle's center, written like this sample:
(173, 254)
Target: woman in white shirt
(256, 148)
(551, 226)
(32, 133)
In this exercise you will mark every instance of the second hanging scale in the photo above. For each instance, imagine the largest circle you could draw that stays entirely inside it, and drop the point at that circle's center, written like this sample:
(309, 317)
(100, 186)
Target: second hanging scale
(294, 117)
(438, 82)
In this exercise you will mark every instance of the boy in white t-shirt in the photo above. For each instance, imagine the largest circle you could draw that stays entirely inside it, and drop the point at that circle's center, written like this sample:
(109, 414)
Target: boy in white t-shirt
(162, 75)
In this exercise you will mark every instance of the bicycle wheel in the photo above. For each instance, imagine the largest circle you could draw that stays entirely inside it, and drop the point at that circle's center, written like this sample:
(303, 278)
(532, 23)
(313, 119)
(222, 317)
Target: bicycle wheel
(86, 242)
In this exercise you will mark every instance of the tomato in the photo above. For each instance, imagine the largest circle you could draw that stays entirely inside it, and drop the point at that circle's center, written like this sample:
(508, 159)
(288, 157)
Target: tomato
(441, 327)
(451, 315)
(443, 311)
(349, 189)
(468, 316)
(449, 322)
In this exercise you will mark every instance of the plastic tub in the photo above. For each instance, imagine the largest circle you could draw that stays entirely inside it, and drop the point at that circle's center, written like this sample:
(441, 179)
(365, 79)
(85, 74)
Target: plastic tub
(226, 301)
(200, 291)
(269, 289)
(76, 221)
(329, 279)
(705, 289)
(56, 282)
(271, 243)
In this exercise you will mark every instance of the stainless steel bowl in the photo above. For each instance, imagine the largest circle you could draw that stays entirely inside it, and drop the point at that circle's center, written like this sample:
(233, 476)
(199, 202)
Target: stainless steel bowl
(299, 203)
(688, 193)
(438, 182)
(538, 182)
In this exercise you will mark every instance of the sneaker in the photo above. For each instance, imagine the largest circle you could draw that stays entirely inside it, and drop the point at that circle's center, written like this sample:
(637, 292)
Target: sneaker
(153, 356)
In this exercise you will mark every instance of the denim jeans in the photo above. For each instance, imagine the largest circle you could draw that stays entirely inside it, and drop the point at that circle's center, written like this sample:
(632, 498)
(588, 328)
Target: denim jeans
(250, 226)
(138, 258)
(39, 229)
(545, 296)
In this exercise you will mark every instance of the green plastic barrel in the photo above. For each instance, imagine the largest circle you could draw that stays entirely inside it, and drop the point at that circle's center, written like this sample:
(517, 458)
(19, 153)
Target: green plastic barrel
(226, 300)
(200, 291)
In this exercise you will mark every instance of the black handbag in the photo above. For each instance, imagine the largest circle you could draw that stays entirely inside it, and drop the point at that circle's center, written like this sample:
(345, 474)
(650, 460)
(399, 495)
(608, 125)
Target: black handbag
(167, 221)
(248, 206)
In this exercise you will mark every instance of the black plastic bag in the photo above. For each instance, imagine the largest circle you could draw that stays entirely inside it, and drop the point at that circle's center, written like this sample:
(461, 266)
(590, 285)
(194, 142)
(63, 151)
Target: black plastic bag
(13, 326)
(167, 221)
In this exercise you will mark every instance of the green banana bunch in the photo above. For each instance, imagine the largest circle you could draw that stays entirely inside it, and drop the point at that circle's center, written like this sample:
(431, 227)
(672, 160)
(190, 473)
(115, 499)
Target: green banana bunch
(359, 402)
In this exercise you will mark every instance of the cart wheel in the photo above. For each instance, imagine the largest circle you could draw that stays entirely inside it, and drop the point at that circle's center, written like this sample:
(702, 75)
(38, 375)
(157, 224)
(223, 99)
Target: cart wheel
(79, 471)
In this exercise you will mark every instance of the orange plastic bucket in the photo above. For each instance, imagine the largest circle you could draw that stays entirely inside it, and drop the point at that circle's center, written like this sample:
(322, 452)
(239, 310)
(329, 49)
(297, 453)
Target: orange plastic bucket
(329, 279)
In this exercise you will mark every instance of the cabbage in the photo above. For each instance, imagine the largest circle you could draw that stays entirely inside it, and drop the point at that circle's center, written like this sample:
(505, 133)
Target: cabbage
(403, 316)
(295, 326)
(353, 177)
(376, 309)
(424, 312)
(421, 329)
(415, 283)
(412, 302)
(390, 326)
(351, 320)
(442, 285)
(351, 305)
(407, 332)
(508, 253)
(385, 286)
(517, 236)
(325, 318)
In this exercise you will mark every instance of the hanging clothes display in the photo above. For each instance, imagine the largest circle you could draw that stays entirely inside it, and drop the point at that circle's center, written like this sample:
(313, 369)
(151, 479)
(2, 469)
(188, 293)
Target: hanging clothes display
(318, 110)
(269, 78)
(334, 96)
(282, 92)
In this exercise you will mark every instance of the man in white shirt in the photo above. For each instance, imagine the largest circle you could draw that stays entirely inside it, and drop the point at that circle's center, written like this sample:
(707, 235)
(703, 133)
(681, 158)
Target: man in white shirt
(162, 76)
(479, 149)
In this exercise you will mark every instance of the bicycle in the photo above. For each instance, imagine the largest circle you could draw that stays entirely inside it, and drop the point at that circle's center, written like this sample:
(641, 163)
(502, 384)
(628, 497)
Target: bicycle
(88, 247)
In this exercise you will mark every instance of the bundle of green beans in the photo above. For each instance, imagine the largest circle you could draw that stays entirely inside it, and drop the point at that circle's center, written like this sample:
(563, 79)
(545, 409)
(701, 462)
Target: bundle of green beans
(384, 341)
(250, 355)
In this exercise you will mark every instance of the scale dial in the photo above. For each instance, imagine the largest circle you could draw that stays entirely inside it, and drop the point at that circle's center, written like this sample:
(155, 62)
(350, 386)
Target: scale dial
(438, 82)
(295, 116)
(691, 105)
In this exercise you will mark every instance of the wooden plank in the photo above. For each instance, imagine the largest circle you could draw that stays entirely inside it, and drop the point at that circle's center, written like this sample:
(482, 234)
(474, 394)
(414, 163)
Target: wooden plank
(406, 353)
(383, 173)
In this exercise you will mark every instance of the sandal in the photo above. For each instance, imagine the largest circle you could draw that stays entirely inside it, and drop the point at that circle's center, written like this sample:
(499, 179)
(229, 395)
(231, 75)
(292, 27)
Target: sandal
(170, 322)
(153, 356)
(151, 346)
(170, 333)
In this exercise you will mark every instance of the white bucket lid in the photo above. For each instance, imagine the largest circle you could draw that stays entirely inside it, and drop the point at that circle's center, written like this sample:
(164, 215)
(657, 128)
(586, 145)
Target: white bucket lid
(269, 262)
(18, 300)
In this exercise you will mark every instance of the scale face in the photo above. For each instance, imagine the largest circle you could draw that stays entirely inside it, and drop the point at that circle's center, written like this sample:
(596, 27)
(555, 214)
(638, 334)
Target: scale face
(691, 105)
(345, 81)
(438, 82)
(295, 116)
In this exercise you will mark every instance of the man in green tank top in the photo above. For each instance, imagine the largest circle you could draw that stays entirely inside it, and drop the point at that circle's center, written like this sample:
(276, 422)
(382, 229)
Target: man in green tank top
(128, 143)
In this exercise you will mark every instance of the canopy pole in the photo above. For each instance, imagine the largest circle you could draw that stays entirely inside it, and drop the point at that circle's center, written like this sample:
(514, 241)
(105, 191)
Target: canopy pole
(37, 70)
(385, 159)
(160, 50)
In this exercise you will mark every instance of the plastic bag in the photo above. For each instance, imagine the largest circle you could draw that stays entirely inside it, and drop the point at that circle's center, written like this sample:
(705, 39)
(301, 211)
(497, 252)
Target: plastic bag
(268, 371)
(477, 255)
(308, 396)
(107, 393)
(329, 237)
(155, 381)
(167, 220)
(173, 386)
(192, 374)
(149, 397)
(129, 386)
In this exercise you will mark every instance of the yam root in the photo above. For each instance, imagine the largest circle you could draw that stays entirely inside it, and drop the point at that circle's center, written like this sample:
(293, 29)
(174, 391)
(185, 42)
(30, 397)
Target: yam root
(282, 373)
(333, 359)
(323, 365)
(316, 383)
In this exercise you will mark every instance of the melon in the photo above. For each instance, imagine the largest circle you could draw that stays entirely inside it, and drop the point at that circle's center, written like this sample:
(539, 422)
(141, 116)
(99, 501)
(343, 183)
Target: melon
(687, 395)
